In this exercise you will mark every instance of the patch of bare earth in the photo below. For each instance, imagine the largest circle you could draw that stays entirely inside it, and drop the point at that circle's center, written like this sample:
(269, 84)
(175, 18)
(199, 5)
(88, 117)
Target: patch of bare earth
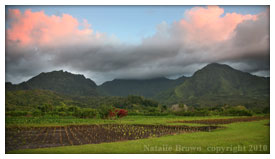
(41, 137)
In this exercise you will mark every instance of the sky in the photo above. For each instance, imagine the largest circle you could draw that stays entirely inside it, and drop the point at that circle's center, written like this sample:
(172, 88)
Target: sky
(134, 42)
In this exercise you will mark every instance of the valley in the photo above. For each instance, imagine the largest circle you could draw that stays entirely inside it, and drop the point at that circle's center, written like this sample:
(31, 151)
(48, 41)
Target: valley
(61, 112)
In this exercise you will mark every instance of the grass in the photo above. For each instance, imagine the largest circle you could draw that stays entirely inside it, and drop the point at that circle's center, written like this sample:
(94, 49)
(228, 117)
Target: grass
(63, 121)
(243, 137)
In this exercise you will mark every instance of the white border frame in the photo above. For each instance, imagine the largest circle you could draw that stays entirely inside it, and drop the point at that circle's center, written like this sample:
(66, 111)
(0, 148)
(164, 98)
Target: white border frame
(131, 2)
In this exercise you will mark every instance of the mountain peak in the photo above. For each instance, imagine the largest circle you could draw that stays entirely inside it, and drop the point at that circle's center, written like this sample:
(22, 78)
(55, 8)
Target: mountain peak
(61, 82)
(222, 83)
(215, 69)
(217, 65)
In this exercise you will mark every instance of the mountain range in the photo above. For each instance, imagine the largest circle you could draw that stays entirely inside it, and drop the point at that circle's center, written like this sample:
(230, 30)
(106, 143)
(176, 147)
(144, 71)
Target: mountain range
(147, 88)
(215, 84)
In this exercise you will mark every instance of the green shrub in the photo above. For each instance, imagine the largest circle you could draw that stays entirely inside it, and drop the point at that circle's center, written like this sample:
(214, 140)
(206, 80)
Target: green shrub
(266, 110)
(193, 113)
(155, 114)
(73, 109)
(202, 113)
(104, 111)
(183, 113)
(87, 113)
(45, 108)
(17, 113)
(37, 112)
(52, 113)
(61, 108)
(62, 113)
(237, 111)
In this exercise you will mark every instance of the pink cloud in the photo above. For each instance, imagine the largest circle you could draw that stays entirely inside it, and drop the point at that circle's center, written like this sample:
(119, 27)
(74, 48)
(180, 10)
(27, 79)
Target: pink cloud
(37, 28)
(208, 26)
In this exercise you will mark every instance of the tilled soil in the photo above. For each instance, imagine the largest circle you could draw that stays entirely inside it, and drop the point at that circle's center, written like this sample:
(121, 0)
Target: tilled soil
(41, 137)
(223, 121)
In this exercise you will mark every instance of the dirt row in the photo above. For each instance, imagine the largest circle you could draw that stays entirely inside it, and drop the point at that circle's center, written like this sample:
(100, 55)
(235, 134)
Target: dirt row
(41, 137)
(222, 121)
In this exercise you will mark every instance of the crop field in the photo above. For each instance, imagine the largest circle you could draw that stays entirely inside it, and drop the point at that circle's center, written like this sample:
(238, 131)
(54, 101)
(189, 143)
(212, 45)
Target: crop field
(39, 137)
(133, 135)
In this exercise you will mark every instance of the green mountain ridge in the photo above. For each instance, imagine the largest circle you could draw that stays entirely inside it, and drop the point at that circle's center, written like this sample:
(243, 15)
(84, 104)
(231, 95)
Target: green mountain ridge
(60, 82)
(214, 85)
(147, 87)
(218, 84)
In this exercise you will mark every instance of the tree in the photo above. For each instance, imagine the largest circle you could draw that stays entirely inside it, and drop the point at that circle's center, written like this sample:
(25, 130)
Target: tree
(122, 113)
(104, 111)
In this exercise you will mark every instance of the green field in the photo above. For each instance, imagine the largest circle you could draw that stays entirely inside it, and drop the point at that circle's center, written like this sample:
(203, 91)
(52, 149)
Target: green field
(58, 121)
(239, 137)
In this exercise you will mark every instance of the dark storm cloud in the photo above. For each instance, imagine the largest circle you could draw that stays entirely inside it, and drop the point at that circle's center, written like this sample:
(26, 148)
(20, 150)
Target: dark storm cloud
(174, 50)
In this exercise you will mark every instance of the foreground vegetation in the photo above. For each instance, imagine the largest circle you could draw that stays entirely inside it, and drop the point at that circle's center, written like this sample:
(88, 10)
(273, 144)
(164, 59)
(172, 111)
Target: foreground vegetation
(240, 137)
(134, 125)
(131, 119)
(40, 103)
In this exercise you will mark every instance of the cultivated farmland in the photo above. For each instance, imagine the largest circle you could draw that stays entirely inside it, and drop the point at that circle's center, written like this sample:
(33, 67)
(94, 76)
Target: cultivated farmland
(40, 137)
(130, 134)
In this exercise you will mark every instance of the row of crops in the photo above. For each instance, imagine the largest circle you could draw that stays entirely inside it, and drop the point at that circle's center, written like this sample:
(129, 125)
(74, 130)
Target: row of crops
(41, 137)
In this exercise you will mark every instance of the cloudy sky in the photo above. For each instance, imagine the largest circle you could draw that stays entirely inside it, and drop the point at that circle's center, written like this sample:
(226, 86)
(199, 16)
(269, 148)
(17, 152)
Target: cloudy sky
(136, 42)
